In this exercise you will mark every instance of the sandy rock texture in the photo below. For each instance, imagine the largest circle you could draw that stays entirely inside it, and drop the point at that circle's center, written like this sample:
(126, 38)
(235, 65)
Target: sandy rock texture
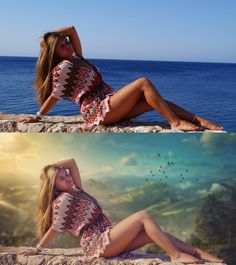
(73, 124)
(57, 256)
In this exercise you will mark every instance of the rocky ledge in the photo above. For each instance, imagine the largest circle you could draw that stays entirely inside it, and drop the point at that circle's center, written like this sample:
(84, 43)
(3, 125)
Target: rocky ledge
(11, 123)
(57, 256)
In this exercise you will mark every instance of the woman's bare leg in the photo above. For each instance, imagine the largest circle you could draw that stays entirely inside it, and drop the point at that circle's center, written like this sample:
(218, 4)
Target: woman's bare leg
(142, 239)
(123, 101)
(139, 108)
(198, 253)
(188, 116)
(123, 233)
(142, 106)
(139, 241)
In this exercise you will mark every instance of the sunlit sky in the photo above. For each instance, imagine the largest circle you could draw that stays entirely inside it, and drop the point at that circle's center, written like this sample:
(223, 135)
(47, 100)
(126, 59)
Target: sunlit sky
(179, 30)
(118, 155)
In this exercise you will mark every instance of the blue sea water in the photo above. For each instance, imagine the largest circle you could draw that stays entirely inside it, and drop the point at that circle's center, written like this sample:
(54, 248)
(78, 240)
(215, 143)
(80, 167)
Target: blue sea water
(208, 89)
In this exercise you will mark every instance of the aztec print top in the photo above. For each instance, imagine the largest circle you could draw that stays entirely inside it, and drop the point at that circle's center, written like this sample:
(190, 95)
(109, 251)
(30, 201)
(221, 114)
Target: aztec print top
(80, 214)
(72, 79)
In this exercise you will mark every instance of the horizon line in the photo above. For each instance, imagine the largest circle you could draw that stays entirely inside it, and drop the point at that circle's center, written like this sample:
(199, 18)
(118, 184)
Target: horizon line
(146, 60)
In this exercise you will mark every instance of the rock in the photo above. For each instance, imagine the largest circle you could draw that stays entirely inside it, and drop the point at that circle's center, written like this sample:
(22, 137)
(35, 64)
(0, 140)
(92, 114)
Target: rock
(57, 256)
(58, 127)
(74, 124)
(31, 127)
(144, 129)
(7, 126)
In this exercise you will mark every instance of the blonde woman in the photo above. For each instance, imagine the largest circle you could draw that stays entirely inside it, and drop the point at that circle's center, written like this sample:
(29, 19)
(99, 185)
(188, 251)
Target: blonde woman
(63, 205)
(63, 73)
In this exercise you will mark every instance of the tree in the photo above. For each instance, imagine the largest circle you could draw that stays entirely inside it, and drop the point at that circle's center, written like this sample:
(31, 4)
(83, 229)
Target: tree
(214, 225)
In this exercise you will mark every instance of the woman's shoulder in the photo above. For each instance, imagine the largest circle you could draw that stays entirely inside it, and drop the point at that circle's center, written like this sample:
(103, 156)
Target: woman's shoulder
(62, 66)
(62, 199)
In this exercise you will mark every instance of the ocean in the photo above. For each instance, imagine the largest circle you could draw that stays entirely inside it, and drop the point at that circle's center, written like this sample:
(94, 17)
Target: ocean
(208, 89)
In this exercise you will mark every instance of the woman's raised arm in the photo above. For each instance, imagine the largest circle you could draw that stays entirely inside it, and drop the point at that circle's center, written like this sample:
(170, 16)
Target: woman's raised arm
(71, 165)
(46, 239)
(74, 38)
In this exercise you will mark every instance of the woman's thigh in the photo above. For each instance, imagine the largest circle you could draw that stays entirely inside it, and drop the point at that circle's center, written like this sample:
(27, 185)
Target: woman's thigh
(123, 101)
(141, 107)
(140, 240)
(123, 233)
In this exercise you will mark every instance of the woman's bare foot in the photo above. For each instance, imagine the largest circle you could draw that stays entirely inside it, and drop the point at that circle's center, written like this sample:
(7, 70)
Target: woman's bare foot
(199, 121)
(186, 259)
(185, 126)
(201, 254)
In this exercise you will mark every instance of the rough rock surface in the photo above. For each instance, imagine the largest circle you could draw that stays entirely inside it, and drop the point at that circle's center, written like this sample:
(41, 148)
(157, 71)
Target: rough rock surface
(11, 123)
(10, 256)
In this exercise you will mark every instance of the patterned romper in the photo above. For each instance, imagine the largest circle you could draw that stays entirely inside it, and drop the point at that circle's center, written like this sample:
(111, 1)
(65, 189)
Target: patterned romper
(81, 215)
(81, 82)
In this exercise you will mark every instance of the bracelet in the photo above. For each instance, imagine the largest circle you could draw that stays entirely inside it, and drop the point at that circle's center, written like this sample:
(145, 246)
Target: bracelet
(41, 116)
(194, 118)
(39, 247)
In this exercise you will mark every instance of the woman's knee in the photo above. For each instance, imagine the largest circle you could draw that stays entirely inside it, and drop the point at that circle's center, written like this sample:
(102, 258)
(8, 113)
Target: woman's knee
(143, 214)
(145, 83)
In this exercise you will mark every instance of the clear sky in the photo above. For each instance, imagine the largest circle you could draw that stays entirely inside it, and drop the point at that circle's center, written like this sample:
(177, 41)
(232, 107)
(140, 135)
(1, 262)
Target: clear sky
(173, 30)
(119, 155)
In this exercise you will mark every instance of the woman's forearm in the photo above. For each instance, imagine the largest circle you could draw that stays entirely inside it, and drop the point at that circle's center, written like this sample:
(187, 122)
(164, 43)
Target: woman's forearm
(47, 105)
(47, 238)
(74, 38)
(66, 163)
(68, 31)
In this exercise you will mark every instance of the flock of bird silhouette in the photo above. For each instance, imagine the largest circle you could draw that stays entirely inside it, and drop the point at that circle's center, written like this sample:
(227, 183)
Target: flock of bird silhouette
(161, 173)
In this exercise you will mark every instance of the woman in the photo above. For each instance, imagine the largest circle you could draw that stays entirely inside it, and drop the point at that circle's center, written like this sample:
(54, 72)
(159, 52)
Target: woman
(63, 205)
(63, 73)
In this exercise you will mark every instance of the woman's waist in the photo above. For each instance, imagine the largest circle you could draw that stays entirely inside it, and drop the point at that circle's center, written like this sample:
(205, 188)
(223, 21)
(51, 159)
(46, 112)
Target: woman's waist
(100, 91)
(101, 222)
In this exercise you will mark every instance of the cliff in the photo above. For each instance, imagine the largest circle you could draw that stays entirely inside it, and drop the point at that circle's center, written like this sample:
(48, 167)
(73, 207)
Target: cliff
(9, 256)
(10, 123)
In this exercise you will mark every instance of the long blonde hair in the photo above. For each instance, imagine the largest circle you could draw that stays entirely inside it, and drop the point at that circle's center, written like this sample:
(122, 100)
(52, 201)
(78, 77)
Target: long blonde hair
(47, 60)
(47, 195)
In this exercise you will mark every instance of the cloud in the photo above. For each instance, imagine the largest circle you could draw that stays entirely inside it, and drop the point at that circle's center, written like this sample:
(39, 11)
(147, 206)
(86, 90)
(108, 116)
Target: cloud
(191, 140)
(202, 192)
(213, 143)
(106, 169)
(216, 187)
(217, 143)
(19, 145)
(7, 164)
(18, 152)
(185, 185)
(129, 159)
(170, 154)
(10, 206)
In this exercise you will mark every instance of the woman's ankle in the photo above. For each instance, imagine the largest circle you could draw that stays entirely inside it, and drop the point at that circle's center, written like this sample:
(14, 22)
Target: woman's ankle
(186, 259)
(175, 254)
(174, 123)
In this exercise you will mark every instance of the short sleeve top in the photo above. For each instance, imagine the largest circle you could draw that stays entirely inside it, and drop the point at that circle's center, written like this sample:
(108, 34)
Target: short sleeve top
(72, 79)
(74, 211)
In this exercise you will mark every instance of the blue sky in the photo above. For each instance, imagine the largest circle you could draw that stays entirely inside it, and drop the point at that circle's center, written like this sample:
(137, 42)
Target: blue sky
(120, 155)
(173, 30)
